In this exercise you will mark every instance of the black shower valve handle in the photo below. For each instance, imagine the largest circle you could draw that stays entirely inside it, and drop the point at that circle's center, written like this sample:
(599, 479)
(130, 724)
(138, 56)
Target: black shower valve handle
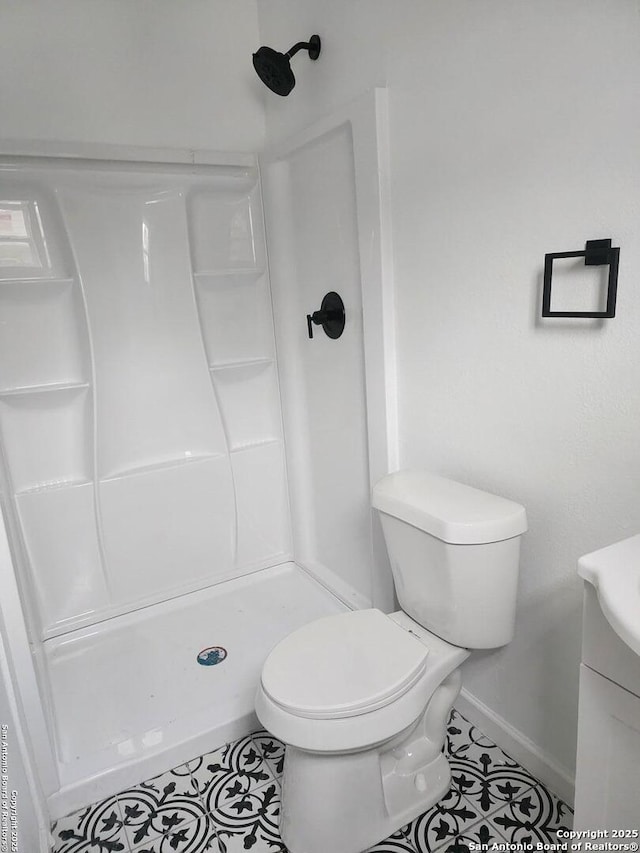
(330, 316)
(319, 318)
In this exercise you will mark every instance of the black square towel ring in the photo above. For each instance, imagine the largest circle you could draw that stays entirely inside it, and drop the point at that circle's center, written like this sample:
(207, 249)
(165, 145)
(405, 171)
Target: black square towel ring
(596, 253)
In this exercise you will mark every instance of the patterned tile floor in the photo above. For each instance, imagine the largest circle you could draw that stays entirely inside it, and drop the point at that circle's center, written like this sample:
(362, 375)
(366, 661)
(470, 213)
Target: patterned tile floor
(228, 801)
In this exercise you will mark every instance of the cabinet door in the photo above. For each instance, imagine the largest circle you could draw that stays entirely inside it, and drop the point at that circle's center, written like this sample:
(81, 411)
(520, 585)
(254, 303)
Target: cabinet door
(608, 767)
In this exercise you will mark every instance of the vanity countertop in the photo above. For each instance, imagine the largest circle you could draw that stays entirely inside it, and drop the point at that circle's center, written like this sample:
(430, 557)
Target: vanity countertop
(615, 573)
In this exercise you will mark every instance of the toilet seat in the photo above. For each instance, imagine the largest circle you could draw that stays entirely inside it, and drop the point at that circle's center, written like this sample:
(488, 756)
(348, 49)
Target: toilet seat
(344, 665)
(360, 715)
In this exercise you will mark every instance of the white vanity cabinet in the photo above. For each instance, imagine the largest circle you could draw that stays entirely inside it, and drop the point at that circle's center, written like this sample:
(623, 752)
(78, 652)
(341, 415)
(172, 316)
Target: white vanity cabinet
(608, 765)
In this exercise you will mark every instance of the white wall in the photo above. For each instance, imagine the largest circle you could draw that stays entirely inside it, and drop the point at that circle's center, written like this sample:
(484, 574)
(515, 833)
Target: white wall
(515, 131)
(150, 72)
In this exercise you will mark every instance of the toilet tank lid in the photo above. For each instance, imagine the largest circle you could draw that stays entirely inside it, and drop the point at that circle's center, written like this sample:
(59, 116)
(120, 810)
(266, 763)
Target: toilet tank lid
(450, 511)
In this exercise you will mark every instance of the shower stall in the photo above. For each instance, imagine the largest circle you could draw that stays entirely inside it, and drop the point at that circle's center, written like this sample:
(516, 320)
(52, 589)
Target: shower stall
(185, 474)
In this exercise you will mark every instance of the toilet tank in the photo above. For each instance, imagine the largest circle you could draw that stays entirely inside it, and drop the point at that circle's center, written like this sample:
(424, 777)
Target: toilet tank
(454, 553)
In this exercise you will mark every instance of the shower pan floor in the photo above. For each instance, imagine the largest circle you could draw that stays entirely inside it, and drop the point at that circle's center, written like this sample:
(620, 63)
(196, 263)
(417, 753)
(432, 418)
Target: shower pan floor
(130, 696)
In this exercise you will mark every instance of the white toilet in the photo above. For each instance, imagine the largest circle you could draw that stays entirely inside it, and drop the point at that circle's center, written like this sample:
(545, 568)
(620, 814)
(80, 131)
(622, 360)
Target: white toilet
(361, 699)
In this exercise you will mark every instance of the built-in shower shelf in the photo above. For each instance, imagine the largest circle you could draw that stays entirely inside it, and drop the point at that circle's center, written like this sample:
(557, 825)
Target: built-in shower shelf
(42, 280)
(250, 445)
(44, 389)
(53, 487)
(218, 273)
(159, 466)
(250, 362)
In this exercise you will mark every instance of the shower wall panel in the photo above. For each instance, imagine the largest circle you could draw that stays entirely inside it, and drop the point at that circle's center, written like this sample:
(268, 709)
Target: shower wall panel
(313, 231)
(139, 404)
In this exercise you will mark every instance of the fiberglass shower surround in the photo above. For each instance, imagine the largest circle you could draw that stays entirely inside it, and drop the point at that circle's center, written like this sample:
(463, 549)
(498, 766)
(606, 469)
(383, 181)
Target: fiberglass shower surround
(140, 412)
(143, 413)
(144, 476)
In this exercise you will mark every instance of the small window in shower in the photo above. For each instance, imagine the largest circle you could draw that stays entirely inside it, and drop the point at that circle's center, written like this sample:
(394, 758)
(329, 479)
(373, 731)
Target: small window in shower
(22, 242)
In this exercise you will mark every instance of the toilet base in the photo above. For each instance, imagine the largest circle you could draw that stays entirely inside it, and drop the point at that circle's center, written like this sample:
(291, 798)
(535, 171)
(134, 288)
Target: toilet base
(346, 802)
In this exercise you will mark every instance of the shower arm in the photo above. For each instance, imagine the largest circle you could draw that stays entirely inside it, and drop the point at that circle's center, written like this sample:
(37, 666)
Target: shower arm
(301, 45)
(312, 46)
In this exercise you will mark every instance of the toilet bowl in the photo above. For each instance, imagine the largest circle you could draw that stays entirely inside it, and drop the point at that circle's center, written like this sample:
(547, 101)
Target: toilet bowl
(361, 699)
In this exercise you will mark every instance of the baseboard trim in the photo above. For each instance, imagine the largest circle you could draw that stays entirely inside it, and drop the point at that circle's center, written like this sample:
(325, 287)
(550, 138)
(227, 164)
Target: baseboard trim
(557, 778)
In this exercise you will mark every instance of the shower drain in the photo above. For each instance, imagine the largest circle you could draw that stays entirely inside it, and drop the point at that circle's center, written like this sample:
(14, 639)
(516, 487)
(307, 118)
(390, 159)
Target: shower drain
(211, 656)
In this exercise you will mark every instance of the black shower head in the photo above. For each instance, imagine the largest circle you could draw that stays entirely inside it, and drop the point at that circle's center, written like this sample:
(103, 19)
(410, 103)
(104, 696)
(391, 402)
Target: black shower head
(274, 68)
